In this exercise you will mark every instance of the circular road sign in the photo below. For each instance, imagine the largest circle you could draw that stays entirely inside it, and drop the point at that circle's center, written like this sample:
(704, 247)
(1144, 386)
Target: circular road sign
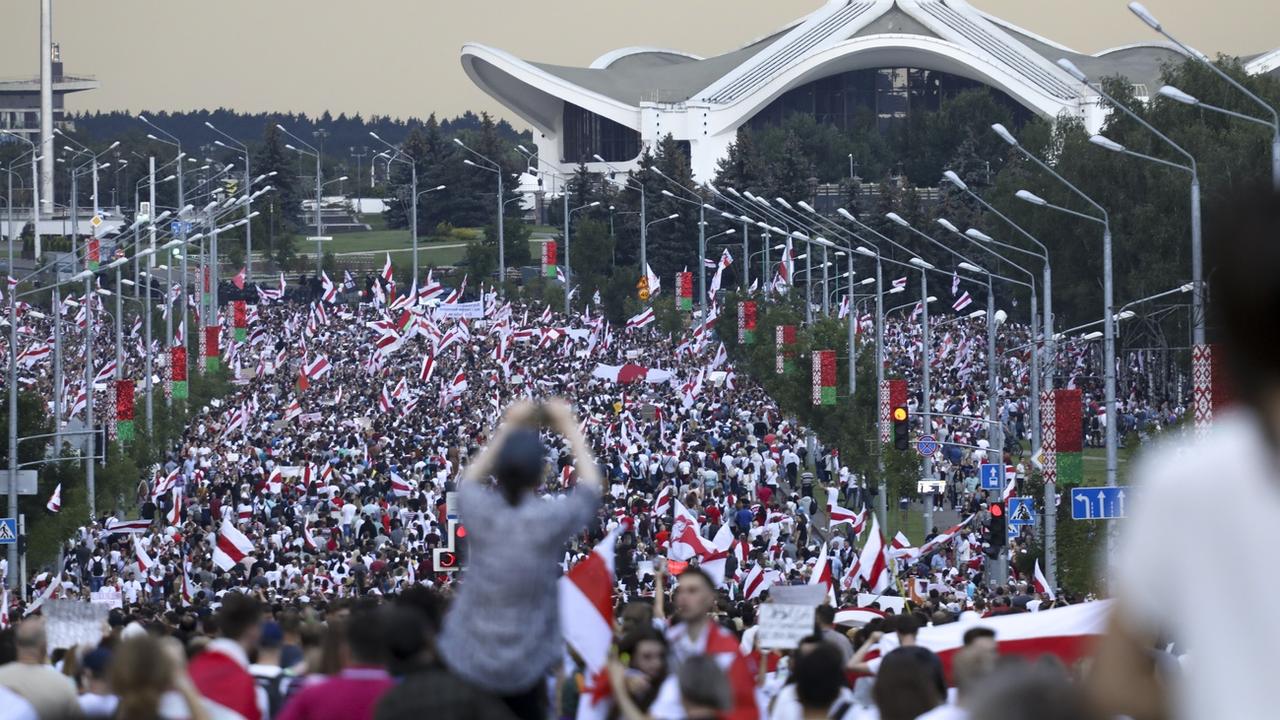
(927, 445)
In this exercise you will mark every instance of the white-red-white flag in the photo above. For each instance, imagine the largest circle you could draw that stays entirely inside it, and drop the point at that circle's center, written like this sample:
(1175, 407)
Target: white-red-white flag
(1042, 583)
(55, 501)
(645, 318)
(586, 621)
(233, 546)
(873, 560)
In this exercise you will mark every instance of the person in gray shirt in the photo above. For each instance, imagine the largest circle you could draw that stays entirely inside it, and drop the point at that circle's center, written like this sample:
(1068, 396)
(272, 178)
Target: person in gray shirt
(502, 632)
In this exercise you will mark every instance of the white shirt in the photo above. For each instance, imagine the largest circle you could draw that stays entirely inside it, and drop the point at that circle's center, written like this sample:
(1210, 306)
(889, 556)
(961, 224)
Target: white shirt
(1174, 537)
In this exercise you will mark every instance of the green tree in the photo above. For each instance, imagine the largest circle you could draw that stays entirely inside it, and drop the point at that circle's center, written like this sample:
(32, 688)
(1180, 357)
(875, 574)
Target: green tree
(279, 220)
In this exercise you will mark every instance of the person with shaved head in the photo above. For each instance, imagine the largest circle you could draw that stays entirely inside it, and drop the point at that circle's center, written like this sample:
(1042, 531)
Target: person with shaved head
(52, 694)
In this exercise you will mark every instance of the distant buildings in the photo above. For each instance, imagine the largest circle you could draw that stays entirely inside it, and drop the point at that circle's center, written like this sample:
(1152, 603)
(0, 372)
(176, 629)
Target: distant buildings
(20, 100)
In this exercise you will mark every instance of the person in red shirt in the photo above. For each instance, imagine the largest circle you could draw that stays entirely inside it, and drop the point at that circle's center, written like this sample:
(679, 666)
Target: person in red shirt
(354, 692)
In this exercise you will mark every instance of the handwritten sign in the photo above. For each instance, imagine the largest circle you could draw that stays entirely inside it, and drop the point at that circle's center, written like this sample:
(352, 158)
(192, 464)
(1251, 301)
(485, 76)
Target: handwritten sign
(107, 597)
(782, 627)
(884, 602)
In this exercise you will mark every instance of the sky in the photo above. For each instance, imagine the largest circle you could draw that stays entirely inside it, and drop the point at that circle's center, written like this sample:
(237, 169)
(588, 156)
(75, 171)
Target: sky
(400, 57)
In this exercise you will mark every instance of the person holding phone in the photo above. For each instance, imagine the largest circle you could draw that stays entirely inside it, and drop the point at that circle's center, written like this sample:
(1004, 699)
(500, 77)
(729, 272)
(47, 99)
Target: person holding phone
(502, 632)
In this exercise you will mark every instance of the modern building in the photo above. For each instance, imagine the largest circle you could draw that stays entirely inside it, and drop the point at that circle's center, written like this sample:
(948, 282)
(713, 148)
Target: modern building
(20, 100)
(847, 61)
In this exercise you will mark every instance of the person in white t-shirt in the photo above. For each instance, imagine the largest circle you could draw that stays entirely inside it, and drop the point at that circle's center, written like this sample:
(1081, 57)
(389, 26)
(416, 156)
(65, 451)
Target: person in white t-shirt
(1202, 514)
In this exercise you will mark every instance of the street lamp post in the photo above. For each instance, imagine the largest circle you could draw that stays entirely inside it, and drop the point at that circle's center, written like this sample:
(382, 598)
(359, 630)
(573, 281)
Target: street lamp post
(567, 215)
(1145, 16)
(312, 151)
(1048, 366)
(494, 167)
(1108, 327)
(1197, 260)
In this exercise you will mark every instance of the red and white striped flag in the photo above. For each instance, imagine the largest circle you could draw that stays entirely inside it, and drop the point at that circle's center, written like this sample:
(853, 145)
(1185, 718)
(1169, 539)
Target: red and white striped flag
(55, 501)
(106, 373)
(308, 539)
(294, 410)
(400, 486)
(822, 575)
(844, 308)
(175, 511)
(662, 503)
(384, 399)
(121, 527)
(962, 302)
(386, 270)
(757, 581)
(317, 368)
(1042, 583)
(586, 619)
(144, 560)
(873, 560)
(233, 546)
(645, 318)
(837, 515)
(428, 366)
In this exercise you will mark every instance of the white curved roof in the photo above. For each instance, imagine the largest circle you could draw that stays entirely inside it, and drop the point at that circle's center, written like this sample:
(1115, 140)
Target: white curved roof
(946, 35)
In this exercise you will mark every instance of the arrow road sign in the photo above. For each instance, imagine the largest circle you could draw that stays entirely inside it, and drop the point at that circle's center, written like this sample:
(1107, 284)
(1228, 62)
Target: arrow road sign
(8, 531)
(1098, 503)
(991, 475)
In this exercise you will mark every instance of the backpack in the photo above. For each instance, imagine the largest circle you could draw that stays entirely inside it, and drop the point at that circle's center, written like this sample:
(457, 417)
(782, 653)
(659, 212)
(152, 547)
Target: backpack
(96, 569)
(275, 689)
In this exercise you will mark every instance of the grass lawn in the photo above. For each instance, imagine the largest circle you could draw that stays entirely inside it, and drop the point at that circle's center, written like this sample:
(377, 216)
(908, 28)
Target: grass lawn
(1094, 471)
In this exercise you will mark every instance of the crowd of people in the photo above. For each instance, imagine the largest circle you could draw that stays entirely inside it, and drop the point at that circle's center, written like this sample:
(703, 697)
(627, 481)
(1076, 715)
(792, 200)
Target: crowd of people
(283, 561)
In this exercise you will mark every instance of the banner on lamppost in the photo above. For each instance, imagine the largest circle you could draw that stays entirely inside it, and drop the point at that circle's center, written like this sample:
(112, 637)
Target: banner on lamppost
(93, 252)
(211, 356)
(206, 291)
(824, 377)
(1068, 436)
(549, 259)
(1048, 436)
(784, 338)
(240, 315)
(746, 322)
(178, 372)
(684, 290)
(124, 410)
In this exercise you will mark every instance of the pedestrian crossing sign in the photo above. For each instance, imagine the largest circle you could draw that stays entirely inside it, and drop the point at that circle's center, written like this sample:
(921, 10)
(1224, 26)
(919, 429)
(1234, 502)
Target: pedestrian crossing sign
(1021, 512)
(8, 531)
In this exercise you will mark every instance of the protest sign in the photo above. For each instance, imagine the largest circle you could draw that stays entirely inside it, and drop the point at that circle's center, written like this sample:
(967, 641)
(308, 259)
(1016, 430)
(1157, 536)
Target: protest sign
(782, 627)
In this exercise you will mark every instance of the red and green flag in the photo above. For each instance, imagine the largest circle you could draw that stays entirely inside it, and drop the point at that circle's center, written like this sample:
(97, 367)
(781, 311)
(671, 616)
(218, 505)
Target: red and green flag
(211, 357)
(124, 410)
(240, 315)
(549, 259)
(824, 377)
(1068, 407)
(178, 372)
(747, 322)
(684, 290)
(94, 253)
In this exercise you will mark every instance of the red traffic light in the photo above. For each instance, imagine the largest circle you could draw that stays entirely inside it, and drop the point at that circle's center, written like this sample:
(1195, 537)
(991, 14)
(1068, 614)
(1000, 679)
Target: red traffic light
(462, 531)
(997, 509)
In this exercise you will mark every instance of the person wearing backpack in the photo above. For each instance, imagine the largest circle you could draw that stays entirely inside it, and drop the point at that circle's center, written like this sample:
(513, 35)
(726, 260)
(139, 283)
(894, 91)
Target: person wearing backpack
(267, 672)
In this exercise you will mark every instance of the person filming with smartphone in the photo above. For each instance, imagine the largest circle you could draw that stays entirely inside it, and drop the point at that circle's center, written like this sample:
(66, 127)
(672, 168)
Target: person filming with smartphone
(502, 632)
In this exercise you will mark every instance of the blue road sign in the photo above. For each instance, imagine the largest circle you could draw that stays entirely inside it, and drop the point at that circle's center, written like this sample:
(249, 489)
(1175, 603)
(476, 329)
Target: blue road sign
(1098, 503)
(991, 475)
(8, 531)
(927, 445)
(1020, 512)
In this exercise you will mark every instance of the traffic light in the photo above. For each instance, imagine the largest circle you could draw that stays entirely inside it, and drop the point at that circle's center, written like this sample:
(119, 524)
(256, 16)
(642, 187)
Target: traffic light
(900, 419)
(453, 556)
(999, 533)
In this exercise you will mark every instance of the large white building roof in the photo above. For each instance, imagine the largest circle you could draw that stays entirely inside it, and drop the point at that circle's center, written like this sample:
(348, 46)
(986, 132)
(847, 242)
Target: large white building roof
(704, 100)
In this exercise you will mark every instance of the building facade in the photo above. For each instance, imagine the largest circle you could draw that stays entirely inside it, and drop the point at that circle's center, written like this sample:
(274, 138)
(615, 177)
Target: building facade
(20, 100)
(845, 62)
